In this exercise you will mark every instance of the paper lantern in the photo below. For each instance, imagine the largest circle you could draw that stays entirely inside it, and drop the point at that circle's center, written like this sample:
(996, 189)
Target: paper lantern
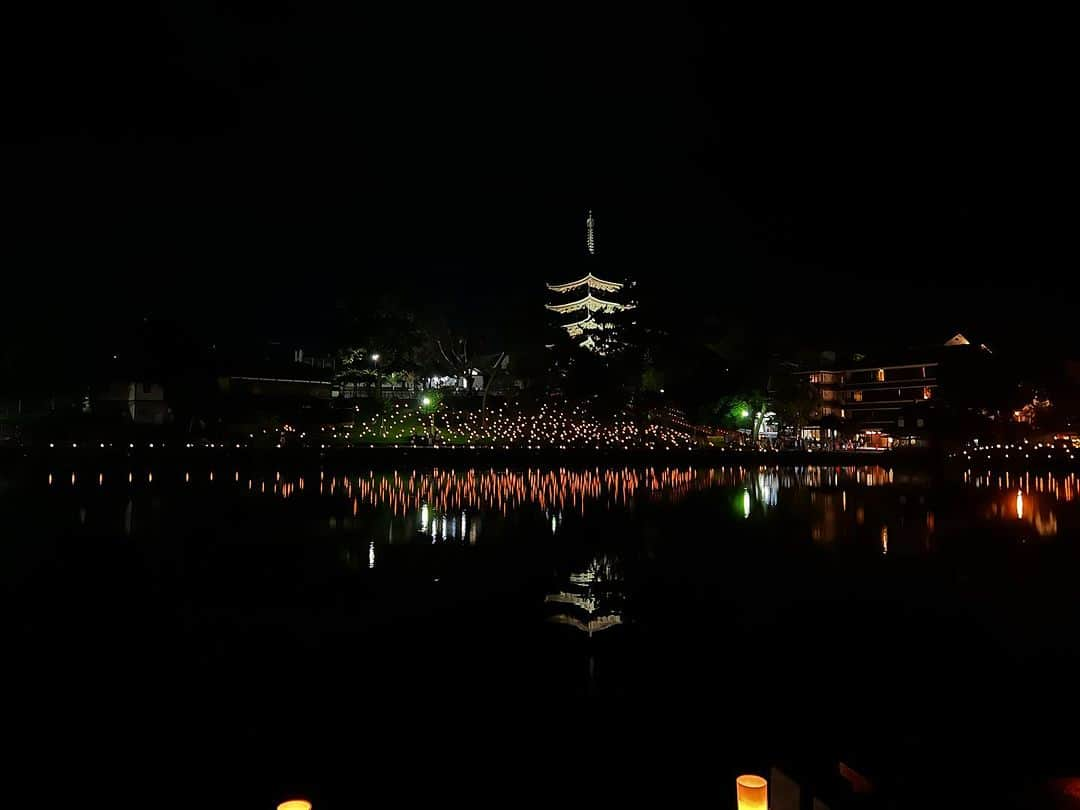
(752, 792)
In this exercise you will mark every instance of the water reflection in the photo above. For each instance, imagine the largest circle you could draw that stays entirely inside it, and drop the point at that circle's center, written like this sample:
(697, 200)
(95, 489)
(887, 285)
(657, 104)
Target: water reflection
(1029, 508)
(590, 599)
(894, 510)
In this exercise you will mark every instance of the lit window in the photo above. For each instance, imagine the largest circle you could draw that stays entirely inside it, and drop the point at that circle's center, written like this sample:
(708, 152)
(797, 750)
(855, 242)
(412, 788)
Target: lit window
(927, 393)
(856, 396)
(881, 375)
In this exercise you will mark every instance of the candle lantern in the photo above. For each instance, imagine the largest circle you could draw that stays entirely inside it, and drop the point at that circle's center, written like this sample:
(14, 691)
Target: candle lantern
(752, 792)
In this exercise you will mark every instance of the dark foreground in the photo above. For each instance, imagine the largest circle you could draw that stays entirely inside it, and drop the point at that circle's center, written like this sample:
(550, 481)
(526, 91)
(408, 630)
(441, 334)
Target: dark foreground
(186, 642)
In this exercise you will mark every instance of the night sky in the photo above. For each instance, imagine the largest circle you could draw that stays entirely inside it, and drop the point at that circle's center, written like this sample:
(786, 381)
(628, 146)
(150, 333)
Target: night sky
(250, 165)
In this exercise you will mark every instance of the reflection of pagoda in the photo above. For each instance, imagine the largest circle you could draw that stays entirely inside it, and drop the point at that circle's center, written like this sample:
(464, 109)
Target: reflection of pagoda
(588, 307)
(590, 600)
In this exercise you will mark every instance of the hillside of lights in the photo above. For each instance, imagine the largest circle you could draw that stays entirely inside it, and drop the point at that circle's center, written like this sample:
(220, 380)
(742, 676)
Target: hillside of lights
(511, 427)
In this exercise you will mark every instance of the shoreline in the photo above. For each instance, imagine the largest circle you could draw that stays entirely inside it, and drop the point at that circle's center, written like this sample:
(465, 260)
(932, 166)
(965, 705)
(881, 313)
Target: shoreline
(390, 456)
(460, 455)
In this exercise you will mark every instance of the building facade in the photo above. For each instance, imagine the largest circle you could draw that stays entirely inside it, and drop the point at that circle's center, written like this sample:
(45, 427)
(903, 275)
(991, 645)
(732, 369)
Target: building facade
(896, 399)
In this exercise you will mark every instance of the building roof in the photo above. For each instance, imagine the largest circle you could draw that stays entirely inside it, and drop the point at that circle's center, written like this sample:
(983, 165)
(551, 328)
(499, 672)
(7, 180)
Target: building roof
(589, 280)
(924, 355)
(589, 302)
(281, 372)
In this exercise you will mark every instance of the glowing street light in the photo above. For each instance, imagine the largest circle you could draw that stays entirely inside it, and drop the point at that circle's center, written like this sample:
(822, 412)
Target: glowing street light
(375, 365)
(744, 413)
(425, 401)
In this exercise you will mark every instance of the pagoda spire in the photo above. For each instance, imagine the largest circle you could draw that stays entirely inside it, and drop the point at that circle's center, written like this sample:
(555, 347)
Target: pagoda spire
(590, 233)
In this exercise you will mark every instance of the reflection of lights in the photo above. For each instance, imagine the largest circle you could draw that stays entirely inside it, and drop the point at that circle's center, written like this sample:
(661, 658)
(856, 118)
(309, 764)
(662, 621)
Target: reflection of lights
(768, 484)
(371, 555)
(1046, 527)
(422, 497)
(752, 792)
(884, 539)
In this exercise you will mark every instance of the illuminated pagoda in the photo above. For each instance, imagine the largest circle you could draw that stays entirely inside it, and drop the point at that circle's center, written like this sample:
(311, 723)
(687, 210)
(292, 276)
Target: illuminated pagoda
(589, 307)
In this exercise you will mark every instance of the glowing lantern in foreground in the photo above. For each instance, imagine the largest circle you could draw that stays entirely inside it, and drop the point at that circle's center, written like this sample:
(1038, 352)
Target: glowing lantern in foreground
(753, 792)
(295, 804)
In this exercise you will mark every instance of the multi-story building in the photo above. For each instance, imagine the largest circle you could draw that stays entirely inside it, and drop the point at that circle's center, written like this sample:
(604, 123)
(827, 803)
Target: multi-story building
(894, 398)
(877, 394)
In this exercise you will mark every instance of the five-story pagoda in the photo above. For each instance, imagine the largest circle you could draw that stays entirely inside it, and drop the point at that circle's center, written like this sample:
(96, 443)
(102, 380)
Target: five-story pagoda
(590, 308)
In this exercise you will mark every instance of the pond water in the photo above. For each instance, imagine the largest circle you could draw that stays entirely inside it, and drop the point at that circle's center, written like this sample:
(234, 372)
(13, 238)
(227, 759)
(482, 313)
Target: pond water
(434, 632)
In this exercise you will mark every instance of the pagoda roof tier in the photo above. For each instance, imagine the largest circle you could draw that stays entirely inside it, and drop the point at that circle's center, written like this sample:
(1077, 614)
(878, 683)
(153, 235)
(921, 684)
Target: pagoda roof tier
(589, 302)
(576, 328)
(588, 280)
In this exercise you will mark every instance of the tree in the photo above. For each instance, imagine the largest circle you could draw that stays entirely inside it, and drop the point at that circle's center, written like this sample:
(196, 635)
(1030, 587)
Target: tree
(354, 366)
(745, 409)
(496, 367)
(794, 399)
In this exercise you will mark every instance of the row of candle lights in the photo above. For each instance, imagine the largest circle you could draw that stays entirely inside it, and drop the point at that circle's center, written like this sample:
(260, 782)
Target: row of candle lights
(752, 793)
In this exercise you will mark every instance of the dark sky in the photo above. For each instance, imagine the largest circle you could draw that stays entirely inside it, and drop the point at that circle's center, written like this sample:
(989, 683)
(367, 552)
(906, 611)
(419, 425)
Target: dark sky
(837, 173)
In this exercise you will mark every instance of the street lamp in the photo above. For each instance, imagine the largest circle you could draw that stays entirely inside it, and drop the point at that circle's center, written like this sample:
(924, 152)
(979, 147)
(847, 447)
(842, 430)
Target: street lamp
(375, 363)
(429, 404)
(744, 413)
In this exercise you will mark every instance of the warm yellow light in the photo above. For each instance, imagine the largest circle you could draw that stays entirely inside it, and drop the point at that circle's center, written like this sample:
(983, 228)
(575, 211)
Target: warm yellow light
(295, 804)
(752, 792)
(1019, 505)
